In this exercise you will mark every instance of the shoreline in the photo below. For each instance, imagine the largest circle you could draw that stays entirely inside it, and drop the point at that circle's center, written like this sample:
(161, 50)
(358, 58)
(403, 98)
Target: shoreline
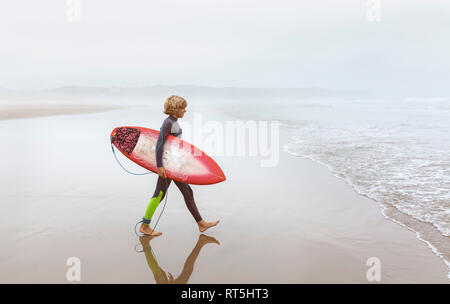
(382, 209)
(390, 213)
(24, 111)
(385, 209)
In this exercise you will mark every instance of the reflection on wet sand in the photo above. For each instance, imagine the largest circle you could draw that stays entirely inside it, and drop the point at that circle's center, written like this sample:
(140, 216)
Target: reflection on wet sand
(160, 275)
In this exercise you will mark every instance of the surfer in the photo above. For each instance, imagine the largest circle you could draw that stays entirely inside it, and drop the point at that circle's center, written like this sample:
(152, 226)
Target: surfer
(175, 107)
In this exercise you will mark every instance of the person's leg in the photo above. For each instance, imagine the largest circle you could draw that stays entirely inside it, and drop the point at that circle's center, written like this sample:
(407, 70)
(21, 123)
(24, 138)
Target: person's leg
(188, 195)
(159, 194)
(160, 191)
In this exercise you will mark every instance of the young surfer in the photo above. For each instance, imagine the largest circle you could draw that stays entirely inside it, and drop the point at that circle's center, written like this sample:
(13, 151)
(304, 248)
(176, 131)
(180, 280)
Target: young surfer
(175, 107)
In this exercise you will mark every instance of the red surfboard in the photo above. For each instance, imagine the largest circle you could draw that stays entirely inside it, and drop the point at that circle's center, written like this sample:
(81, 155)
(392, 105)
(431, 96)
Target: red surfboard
(183, 162)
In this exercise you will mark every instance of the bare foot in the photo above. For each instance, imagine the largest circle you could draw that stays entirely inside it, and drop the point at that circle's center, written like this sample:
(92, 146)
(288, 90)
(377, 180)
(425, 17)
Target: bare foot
(145, 229)
(203, 226)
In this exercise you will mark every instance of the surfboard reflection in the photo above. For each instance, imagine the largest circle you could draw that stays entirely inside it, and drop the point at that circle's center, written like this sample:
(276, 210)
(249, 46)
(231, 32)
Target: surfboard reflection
(160, 275)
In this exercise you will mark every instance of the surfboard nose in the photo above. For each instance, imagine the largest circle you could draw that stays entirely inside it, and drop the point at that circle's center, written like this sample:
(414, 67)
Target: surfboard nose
(220, 176)
(125, 138)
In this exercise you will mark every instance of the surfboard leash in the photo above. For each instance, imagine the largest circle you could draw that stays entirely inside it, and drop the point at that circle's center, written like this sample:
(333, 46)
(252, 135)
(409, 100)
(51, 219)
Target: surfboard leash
(115, 156)
(165, 200)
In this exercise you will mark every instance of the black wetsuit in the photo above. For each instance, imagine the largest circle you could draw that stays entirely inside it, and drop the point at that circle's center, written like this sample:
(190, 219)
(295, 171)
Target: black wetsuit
(169, 126)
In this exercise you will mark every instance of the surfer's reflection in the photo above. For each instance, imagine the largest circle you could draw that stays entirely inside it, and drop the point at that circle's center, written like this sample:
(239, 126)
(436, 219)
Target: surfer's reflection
(160, 275)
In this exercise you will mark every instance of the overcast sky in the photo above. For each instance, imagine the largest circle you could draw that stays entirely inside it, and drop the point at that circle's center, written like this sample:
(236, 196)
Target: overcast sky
(322, 43)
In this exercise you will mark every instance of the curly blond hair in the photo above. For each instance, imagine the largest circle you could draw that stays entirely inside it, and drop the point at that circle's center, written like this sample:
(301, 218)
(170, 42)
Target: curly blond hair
(173, 103)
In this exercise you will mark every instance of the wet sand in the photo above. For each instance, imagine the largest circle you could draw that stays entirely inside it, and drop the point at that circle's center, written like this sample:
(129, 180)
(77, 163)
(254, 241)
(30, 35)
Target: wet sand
(293, 223)
(30, 111)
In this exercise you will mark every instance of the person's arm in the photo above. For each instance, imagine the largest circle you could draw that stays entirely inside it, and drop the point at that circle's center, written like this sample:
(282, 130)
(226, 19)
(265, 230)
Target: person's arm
(163, 133)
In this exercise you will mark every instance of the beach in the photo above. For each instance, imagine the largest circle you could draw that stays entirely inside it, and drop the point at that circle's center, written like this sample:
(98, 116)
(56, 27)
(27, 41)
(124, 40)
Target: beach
(14, 111)
(65, 196)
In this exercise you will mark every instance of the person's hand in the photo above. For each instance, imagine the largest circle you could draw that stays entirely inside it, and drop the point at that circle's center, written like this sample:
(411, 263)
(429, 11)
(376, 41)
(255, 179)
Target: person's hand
(161, 172)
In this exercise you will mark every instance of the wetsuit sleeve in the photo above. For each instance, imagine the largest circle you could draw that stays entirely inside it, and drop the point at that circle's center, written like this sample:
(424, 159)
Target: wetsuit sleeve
(163, 133)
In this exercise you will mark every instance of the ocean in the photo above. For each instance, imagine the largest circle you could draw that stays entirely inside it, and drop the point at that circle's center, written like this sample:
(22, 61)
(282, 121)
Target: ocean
(395, 152)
